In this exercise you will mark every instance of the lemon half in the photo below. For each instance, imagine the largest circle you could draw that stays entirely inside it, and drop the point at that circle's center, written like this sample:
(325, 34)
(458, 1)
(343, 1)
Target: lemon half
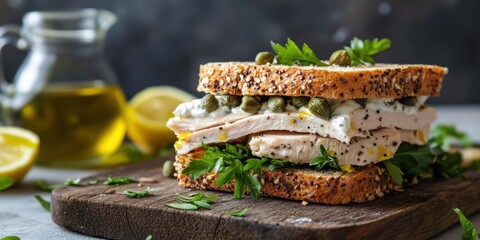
(18, 150)
(147, 115)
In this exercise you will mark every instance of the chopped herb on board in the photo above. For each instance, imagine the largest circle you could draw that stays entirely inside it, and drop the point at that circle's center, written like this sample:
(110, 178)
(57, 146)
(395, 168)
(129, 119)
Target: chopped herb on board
(193, 202)
(119, 180)
(137, 194)
(240, 213)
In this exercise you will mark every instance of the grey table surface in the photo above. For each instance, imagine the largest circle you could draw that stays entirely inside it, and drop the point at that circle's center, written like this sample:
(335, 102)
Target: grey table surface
(22, 216)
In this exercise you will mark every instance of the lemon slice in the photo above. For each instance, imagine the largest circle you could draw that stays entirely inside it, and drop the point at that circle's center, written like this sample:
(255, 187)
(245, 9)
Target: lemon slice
(18, 150)
(147, 115)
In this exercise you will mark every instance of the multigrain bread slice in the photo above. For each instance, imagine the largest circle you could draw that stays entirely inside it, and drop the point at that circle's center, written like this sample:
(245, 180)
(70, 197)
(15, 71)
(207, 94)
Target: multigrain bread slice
(334, 82)
(328, 187)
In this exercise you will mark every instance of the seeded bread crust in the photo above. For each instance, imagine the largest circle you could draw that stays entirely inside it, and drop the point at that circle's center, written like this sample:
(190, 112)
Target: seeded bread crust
(328, 187)
(335, 82)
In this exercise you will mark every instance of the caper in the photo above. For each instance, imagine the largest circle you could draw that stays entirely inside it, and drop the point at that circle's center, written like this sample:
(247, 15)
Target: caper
(276, 104)
(232, 100)
(361, 101)
(408, 101)
(250, 104)
(168, 169)
(209, 102)
(264, 58)
(320, 108)
(298, 102)
(340, 58)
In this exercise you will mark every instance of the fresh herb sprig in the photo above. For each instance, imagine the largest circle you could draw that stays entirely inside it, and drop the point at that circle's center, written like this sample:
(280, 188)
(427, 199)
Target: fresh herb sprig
(426, 161)
(291, 54)
(44, 203)
(119, 180)
(137, 194)
(5, 182)
(362, 51)
(325, 159)
(233, 162)
(469, 231)
(359, 52)
(193, 202)
(443, 134)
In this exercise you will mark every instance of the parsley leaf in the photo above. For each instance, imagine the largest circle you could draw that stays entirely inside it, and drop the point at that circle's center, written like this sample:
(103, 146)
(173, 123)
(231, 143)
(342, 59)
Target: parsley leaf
(361, 52)
(43, 185)
(182, 206)
(45, 204)
(71, 182)
(469, 231)
(193, 202)
(395, 172)
(324, 160)
(149, 237)
(425, 161)
(5, 182)
(240, 213)
(137, 194)
(233, 163)
(442, 135)
(119, 180)
(291, 54)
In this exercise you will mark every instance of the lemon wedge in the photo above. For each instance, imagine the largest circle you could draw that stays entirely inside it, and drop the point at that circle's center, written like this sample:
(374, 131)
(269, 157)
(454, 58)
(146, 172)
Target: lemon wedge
(147, 115)
(18, 150)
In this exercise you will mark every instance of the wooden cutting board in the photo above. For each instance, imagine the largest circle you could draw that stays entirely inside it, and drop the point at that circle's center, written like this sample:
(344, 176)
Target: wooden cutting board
(98, 210)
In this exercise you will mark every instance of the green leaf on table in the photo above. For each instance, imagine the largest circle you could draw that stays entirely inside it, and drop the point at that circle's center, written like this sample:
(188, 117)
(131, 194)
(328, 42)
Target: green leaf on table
(43, 185)
(10, 238)
(240, 213)
(5, 182)
(72, 182)
(119, 181)
(182, 206)
(93, 182)
(197, 199)
(469, 231)
(362, 51)
(291, 54)
(137, 194)
(45, 204)
(149, 237)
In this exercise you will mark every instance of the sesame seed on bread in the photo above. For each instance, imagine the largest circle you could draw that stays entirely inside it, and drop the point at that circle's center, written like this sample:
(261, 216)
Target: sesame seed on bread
(334, 82)
(328, 186)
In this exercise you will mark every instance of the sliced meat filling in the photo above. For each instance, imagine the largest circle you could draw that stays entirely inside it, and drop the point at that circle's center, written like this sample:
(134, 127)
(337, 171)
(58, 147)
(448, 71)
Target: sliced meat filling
(302, 148)
(192, 133)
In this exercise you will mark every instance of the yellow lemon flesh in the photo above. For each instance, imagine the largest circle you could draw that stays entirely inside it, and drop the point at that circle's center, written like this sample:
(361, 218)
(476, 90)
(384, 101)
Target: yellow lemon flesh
(147, 115)
(18, 150)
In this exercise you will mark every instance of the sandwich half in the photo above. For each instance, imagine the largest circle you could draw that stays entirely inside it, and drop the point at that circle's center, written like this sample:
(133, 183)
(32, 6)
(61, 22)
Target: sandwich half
(320, 134)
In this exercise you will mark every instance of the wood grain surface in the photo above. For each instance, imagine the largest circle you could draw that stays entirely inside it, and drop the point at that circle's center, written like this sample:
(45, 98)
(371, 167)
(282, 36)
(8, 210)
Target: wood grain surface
(104, 211)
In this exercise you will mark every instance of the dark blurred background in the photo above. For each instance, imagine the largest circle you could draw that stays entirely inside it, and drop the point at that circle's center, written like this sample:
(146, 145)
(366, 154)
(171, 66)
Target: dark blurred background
(159, 42)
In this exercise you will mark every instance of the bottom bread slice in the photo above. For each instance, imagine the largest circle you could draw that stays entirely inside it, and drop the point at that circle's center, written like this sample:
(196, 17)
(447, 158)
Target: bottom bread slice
(327, 186)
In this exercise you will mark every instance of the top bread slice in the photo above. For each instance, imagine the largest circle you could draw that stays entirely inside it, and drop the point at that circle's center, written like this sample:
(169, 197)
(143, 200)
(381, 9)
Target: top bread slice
(334, 82)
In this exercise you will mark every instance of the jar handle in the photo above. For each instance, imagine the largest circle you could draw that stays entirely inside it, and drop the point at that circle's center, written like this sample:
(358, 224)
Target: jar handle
(9, 34)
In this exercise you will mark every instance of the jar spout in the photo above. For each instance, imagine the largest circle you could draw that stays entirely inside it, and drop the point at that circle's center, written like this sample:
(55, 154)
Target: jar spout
(106, 19)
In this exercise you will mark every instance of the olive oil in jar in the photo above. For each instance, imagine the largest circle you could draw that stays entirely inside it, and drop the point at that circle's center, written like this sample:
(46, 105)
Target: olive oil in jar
(76, 121)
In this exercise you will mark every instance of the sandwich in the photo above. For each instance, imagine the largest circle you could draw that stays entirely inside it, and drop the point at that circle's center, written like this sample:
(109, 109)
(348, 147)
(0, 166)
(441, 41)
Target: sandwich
(295, 127)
